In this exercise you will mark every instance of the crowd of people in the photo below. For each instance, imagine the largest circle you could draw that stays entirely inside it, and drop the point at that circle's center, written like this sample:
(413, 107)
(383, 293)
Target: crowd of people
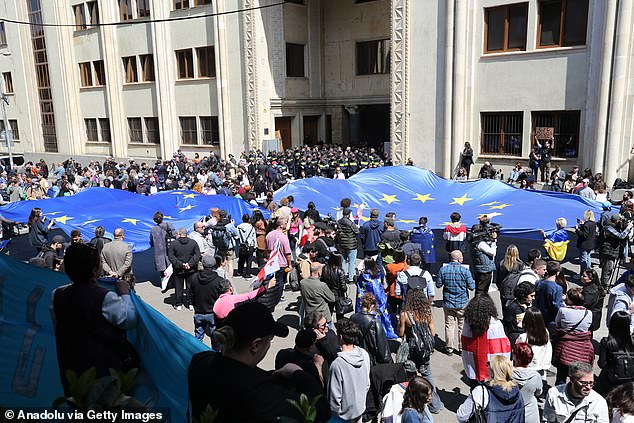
(357, 357)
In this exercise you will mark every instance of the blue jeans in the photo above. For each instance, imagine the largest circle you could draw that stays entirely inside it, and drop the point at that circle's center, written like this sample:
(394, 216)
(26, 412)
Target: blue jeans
(203, 324)
(350, 258)
(585, 260)
(436, 403)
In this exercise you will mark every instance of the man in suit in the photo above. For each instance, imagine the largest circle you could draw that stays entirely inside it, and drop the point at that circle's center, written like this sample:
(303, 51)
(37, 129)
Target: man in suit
(116, 258)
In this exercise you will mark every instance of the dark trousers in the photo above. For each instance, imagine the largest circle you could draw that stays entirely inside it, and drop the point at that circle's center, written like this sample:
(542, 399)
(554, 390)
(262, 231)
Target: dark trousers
(259, 256)
(562, 374)
(482, 281)
(182, 288)
(244, 263)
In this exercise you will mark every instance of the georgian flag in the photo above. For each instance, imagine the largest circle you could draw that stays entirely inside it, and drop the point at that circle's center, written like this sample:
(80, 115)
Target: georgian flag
(272, 264)
(477, 351)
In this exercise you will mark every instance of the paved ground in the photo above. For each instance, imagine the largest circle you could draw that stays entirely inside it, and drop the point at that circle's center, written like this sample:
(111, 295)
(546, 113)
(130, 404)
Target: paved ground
(447, 370)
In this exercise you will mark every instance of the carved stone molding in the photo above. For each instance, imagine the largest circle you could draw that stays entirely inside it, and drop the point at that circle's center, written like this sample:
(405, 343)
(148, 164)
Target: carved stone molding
(250, 49)
(399, 119)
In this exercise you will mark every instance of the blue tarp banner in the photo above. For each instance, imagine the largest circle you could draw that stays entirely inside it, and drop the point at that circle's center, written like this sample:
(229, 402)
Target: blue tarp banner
(412, 192)
(29, 375)
(112, 208)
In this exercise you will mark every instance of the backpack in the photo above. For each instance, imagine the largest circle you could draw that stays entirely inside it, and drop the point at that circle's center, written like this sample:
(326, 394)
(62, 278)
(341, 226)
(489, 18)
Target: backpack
(420, 340)
(417, 282)
(221, 237)
(508, 284)
(622, 368)
(169, 236)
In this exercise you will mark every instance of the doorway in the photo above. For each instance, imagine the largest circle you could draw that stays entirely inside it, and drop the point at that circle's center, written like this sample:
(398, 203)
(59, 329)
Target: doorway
(311, 130)
(283, 131)
(374, 124)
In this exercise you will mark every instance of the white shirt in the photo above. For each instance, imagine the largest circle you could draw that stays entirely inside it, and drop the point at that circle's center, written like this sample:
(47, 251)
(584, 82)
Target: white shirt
(401, 278)
(558, 407)
(528, 275)
(542, 355)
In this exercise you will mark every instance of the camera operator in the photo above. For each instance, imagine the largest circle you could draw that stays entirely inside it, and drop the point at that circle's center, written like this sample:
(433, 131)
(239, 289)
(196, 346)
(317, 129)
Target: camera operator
(483, 249)
(614, 237)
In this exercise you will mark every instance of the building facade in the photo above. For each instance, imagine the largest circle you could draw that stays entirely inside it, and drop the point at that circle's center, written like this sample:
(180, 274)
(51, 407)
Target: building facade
(419, 78)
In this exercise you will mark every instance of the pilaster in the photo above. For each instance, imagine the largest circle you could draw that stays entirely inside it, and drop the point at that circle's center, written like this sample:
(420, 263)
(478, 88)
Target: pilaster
(251, 67)
(399, 118)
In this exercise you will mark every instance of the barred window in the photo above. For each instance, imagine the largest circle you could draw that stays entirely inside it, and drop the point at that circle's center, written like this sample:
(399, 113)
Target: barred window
(209, 130)
(502, 133)
(189, 133)
(152, 127)
(91, 129)
(565, 126)
(136, 130)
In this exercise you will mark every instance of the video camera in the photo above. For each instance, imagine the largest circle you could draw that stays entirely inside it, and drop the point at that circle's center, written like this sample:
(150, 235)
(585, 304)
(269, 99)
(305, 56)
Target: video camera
(483, 231)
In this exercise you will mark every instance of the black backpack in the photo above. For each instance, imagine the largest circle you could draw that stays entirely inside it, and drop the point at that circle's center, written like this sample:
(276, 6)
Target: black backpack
(221, 237)
(420, 340)
(507, 287)
(623, 367)
(417, 282)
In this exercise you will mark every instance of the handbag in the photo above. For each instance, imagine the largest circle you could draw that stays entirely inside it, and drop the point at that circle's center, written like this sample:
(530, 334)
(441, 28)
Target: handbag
(343, 305)
(478, 415)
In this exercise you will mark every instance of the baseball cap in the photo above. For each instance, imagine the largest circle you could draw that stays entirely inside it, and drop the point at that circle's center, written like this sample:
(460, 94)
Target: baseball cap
(294, 210)
(253, 320)
(208, 261)
(58, 239)
(586, 180)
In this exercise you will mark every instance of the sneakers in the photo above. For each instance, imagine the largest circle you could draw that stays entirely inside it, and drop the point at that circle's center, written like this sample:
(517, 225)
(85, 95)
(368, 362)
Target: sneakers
(448, 351)
(191, 308)
(178, 308)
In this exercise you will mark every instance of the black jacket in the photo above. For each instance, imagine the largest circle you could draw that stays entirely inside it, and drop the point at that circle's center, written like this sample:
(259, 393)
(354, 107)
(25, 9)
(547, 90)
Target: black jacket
(593, 302)
(336, 280)
(373, 338)
(205, 290)
(347, 233)
(99, 241)
(271, 297)
(244, 394)
(509, 321)
(181, 251)
(587, 236)
(328, 347)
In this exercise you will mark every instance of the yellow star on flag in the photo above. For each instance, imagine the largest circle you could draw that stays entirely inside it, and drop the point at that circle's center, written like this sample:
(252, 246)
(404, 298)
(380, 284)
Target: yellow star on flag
(52, 213)
(168, 217)
(490, 215)
(461, 200)
(447, 223)
(189, 195)
(389, 198)
(178, 192)
(423, 198)
(63, 219)
(130, 220)
(89, 222)
(365, 219)
(336, 208)
(499, 206)
(189, 207)
(406, 221)
(488, 204)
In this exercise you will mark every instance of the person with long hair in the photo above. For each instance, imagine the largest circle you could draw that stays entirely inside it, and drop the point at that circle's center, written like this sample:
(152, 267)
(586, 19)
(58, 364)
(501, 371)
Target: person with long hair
(370, 281)
(259, 223)
(618, 342)
(621, 404)
(417, 311)
(482, 337)
(593, 296)
(373, 338)
(416, 400)
(336, 279)
(510, 264)
(536, 335)
(38, 231)
(502, 394)
(294, 228)
(528, 380)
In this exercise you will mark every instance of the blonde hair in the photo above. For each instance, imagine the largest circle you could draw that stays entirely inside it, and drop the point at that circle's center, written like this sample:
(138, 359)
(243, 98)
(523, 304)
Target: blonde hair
(588, 215)
(561, 223)
(502, 370)
(511, 257)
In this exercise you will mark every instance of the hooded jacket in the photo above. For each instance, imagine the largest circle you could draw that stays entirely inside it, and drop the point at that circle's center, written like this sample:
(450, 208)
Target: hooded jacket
(184, 250)
(371, 234)
(530, 384)
(620, 300)
(353, 369)
(205, 289)
(347, 234)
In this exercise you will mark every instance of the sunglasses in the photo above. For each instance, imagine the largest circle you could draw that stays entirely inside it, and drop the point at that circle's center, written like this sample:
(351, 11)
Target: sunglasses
(585, 383)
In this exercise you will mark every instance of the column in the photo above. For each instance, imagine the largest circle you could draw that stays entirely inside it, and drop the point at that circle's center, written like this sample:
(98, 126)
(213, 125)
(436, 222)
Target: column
(613, 156)
(399, 119)
(251, 68)
(448, 90)
(459, 81)
(354, 123)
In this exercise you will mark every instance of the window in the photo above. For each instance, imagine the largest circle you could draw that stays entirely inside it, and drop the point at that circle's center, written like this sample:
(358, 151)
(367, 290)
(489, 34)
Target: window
(8, 82)
(152, 127)
(104, 125)
(189, 134)
(14, 128)
(562, 23)
(206, 62)
(100, 74)
(202, 2)
(147, 67)
(505, 28)
(181, 4)
(80, 17)
(125, 10)
(185, 63)
(136, 130)
(502, 133)
(93, 12)
(91, 130)
(373, 57)
(565, 126)
(86, 74)
(295, 60)
(129, 68)
(143, 8)
(3, 35)
(209, 130)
